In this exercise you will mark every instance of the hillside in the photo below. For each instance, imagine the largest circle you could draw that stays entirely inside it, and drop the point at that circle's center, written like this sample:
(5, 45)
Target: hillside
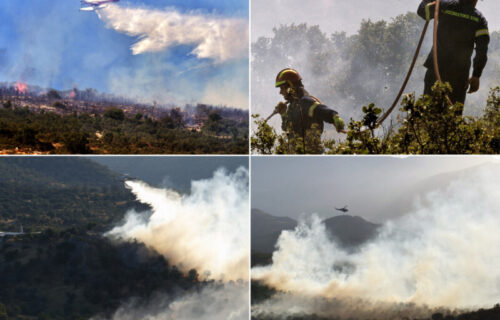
(349, 231)
(62, 267)
(266, 230)
(36, 123)
(60, 192)
(75, 274)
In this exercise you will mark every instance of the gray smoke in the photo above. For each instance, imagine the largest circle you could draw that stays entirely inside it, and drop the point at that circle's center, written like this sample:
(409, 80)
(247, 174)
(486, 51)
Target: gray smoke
(214, 302)
(434, 257)
(207, 230)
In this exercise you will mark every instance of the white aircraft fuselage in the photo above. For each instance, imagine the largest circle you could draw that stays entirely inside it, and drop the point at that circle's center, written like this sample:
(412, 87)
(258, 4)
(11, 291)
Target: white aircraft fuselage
(93, 5)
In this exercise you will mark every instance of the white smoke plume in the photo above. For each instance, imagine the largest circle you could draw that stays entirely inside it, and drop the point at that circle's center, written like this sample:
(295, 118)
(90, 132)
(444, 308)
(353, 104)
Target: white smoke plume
(207, 230)
(285, 305)
(229, 302)
(443, 254)
(214, 37)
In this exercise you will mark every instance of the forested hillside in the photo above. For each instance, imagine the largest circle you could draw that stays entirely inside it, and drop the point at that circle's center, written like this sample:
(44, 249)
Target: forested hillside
(26, 129)
(60, 192)
(73, 274)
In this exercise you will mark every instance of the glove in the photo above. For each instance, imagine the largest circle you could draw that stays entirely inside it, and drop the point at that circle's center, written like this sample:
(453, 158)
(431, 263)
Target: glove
(280, 108)
(473, 84)
(338, 123)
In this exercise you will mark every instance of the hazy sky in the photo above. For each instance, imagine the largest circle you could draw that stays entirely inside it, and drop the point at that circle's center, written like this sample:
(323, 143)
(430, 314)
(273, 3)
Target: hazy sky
(290, 186)
(340, 15)
(51, 43)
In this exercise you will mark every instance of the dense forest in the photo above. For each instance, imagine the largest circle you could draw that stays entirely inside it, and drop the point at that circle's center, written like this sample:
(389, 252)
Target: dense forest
(75, 274)
(359, 76)
(61, 192)
(62, 267)
(65, 128)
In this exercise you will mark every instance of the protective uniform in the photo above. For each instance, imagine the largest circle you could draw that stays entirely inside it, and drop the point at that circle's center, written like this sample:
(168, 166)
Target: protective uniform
(304, 111)
(461, 27)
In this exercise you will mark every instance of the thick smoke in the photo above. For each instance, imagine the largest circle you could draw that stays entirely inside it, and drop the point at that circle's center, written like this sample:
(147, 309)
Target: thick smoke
(211, 303)
(214, 37)
(285, 305)
(443, 254)
(206, 230)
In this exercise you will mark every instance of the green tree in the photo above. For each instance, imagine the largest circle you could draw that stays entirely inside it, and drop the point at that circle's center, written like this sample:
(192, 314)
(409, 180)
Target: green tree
(115, 113)
(429, 126)
(77, 143)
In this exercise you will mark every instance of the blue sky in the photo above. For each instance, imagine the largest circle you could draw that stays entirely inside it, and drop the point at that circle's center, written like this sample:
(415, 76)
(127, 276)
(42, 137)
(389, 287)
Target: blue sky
(52, 44)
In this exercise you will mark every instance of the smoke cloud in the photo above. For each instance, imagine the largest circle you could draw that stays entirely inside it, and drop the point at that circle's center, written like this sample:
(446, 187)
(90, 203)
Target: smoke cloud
(206, 230)
(211, 303)
(443, 254)
(216, 38)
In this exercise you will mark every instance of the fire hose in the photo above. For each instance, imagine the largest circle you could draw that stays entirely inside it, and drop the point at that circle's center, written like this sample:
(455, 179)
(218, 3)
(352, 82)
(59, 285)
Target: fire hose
(412, 65)
(435, 58)
(405, 82)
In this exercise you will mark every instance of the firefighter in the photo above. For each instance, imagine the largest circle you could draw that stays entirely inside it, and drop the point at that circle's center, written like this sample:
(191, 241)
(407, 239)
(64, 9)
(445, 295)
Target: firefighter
(302, 113)
(461, 27)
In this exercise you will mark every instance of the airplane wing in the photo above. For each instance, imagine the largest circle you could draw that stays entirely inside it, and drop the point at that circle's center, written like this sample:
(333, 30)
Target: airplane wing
(93, 7)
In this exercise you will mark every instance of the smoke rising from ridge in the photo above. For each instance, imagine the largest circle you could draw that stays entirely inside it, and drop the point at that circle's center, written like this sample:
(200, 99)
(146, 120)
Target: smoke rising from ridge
(207, 230)
(216, 38)
(443, 254)
(214, 302)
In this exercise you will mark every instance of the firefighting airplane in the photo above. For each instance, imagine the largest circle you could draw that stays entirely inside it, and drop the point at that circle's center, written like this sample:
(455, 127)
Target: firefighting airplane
(344, 209)
(93, 5)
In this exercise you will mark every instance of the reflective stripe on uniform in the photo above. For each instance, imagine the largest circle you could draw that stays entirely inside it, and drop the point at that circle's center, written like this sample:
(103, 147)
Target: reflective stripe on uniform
(482, 32)
(428, 12)
(312, 108)
(461, 15)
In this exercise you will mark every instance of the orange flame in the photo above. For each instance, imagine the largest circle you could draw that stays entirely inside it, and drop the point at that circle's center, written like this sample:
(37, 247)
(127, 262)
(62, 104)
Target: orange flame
(21, 87)
(72, 94)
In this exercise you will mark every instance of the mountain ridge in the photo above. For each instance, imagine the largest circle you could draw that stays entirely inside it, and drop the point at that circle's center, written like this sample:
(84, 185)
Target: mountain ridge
(349, 231)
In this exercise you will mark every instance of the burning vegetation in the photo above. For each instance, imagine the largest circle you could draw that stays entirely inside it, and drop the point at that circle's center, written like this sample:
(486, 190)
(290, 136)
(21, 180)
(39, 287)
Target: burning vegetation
(34, 120)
